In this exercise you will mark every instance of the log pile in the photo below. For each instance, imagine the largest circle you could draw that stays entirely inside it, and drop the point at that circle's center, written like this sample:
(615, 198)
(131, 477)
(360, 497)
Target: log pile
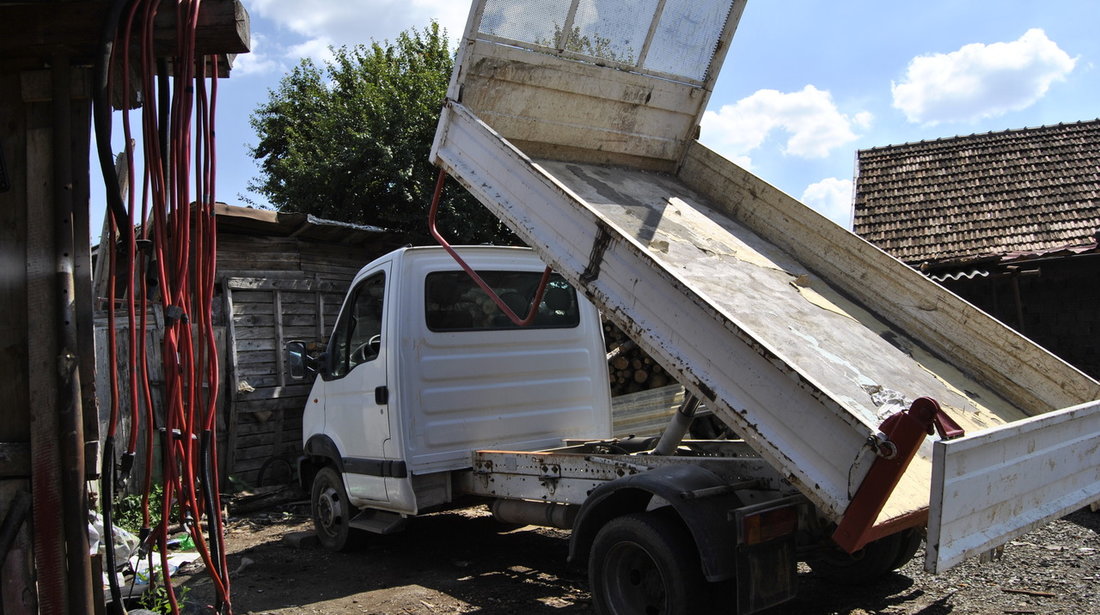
(629, 368)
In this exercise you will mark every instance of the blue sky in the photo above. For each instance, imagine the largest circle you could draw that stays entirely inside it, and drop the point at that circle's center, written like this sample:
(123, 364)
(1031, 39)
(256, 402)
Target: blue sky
(805, 84)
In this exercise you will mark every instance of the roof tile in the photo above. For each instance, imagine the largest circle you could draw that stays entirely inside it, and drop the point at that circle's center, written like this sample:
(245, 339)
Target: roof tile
(1017, 191)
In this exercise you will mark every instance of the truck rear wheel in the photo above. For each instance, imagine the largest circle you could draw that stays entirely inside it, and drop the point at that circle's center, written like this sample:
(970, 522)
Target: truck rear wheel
(874, 561)
(646, 564)
(331, 510)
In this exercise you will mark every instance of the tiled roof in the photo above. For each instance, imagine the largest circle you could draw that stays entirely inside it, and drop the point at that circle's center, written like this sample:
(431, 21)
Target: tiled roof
(1034, 190)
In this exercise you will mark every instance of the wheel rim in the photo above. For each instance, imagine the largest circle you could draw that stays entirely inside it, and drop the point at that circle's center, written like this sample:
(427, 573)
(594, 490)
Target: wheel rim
(633, 583)
(330, 511)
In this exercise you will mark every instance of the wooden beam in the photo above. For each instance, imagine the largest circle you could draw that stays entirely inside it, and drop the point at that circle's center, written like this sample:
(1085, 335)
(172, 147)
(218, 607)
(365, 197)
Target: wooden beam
(223, 28)
(39, 29)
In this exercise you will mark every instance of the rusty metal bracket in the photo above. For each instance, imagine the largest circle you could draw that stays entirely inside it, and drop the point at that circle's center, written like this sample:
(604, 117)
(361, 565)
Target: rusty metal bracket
(904, 432)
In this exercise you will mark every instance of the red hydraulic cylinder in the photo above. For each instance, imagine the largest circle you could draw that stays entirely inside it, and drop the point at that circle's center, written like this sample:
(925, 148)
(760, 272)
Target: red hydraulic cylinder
(904, 431)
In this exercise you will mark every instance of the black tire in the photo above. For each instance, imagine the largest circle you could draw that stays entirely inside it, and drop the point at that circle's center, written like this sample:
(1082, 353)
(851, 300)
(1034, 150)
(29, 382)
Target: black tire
(910, 540)
(331, 511)
(646, 564)
(874, 561)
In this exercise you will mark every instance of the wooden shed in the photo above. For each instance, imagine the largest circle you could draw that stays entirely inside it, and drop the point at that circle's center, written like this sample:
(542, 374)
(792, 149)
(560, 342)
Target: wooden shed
(280, 277)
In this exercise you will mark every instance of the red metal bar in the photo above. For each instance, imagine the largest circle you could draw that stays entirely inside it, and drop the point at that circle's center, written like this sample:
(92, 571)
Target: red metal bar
(904, 431)
(531, 312)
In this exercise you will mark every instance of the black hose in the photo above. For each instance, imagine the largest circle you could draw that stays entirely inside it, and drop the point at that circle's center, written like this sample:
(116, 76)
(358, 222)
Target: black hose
(164, 110)
(101, 116)
(20, 506)
(107, 495)
(212, 511)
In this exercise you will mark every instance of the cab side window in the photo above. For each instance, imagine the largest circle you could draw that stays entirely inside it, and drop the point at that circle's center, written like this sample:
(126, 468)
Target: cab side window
(357, 337)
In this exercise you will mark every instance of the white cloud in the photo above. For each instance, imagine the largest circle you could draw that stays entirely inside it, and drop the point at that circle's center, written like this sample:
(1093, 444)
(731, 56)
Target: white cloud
(258, 61)
(351, 22)
(981, 81)
(832, 198)
(317, 49)
(814, 125)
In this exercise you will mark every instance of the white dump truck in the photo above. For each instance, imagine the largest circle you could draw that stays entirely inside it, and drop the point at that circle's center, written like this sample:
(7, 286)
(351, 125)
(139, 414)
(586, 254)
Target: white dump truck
(872, 406)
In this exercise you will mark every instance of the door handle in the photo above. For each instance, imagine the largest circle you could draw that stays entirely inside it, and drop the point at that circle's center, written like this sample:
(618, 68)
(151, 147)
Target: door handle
(381, 395)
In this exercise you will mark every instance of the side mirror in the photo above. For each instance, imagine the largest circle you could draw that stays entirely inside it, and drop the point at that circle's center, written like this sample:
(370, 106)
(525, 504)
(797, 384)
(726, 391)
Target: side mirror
(298, 362)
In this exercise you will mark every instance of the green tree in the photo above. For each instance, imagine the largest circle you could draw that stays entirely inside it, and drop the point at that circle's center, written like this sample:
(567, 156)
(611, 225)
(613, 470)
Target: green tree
(350, 141)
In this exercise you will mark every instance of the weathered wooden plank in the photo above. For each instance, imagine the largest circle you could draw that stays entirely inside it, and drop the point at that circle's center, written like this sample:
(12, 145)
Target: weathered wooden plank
(269, 380)
(265, 452)
(295, 391)
(334, 271)
(254, 360)
(256, 344)
(319, 306)
(252, 333)
(246, 406)
(223, 28)
(253, 428)
(46, 400)
(279, 316)
(299, 332)
(299, 304)
(232, 374)
(288, 440)
(293, 282)
(243, 297)
(269, 320)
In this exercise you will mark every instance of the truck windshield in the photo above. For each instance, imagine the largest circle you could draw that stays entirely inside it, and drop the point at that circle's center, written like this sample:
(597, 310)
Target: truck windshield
(453, 302)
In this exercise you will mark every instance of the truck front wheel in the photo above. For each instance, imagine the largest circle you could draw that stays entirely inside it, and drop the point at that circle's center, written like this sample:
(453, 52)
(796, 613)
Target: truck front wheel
(331, 510)
(646, 564)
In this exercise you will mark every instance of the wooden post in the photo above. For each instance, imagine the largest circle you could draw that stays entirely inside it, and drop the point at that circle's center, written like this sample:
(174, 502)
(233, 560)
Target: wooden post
(43, 350)
(230, 454)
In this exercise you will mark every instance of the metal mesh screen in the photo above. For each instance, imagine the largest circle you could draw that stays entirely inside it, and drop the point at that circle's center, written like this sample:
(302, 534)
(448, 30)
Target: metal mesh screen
(538, 22)
(686, 37)
(612, 30)
(622, 31)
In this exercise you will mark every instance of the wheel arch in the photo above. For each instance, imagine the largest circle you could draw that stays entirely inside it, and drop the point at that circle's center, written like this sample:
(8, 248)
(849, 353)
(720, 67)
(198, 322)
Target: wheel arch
(706, 518)
(319, 451)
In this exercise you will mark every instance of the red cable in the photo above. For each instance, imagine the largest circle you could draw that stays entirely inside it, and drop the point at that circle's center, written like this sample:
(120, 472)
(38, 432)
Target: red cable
(184, 265)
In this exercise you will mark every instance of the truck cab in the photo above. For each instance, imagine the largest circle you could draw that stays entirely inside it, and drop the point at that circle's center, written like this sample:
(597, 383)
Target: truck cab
(422, 368)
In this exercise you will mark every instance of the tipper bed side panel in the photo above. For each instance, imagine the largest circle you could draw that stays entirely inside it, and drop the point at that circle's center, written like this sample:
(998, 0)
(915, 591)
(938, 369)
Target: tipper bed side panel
(787, 418)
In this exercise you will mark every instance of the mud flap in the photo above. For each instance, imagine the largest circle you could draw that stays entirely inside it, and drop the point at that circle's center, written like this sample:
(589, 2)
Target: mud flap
(766, 561)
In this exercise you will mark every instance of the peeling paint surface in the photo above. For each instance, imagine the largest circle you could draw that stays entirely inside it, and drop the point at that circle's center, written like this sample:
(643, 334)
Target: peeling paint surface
(792, 313)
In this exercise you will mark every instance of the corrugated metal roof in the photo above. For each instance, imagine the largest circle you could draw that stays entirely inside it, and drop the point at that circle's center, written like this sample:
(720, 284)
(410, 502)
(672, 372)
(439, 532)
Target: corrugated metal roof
(289, 224)
(968, 274)
(1034, 190)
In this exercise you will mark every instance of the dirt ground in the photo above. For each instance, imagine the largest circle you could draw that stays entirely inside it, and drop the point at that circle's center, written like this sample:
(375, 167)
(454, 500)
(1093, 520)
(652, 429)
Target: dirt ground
(464, 562)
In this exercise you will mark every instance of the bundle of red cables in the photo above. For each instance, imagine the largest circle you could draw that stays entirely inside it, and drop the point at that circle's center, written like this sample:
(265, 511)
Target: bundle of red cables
(165, 254)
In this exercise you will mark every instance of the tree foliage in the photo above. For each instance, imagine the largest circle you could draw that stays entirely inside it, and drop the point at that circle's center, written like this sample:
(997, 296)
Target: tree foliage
(350, 140)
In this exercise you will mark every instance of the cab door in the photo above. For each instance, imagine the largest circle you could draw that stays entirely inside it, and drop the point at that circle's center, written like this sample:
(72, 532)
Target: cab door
(356, 393)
